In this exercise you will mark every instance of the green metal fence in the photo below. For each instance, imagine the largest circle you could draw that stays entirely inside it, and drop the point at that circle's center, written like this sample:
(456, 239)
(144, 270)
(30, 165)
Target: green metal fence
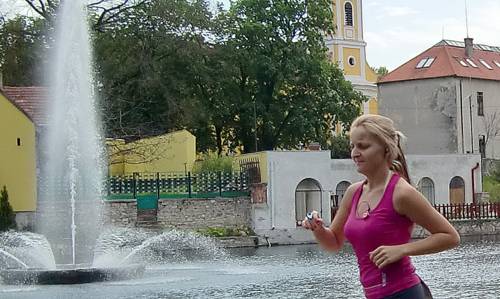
(178, 185)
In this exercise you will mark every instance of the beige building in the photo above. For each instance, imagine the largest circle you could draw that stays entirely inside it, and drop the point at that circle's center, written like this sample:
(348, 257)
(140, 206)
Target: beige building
(446, 99)
(347, 48)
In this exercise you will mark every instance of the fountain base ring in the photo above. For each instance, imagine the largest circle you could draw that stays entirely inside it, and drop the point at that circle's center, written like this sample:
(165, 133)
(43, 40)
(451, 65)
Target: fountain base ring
(70, 276)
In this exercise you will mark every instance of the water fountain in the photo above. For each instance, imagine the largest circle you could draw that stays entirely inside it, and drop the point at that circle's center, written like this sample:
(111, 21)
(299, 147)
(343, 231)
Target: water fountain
(71, 170)
(70, 245)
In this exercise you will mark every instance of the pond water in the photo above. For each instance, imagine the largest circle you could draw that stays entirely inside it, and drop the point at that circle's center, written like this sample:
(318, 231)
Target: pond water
(303, 271)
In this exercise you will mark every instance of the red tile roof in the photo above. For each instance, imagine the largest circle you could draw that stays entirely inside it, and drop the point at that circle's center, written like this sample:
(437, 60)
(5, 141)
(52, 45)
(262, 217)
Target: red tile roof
(31, 100)
(447, 62)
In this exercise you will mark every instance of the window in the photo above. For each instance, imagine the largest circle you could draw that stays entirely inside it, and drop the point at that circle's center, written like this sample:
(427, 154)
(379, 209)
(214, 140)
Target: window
(480, 108)
(307, 199)
(457, 190)
(351, 60)
(496, 62)
(485, 64)
(425, 62)
(348, 14)
(482, 146)
(426, 187)
(471, 62)
(463, 63)
(429, 61)
(18, 141)
(421, 63)
(341, 189)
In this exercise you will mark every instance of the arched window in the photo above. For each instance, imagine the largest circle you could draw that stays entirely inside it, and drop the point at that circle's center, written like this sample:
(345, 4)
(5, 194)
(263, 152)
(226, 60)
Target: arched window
(426, 187)
(457, 190)
(307, 199)
(348, 13)
(340, 190)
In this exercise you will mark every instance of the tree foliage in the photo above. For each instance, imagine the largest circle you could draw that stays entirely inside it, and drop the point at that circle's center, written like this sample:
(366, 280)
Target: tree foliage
(254, 77)
(288, 93)
(381, 71)
(105, 12)
(7, 217)
(22, 47)
(340, 148)
(143, 64)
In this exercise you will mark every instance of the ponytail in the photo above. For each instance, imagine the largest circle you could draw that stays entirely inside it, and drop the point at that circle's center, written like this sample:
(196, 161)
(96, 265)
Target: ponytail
(399, 164)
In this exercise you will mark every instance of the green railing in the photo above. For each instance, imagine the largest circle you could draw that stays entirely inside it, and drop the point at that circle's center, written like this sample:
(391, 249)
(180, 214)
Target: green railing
(178, 185)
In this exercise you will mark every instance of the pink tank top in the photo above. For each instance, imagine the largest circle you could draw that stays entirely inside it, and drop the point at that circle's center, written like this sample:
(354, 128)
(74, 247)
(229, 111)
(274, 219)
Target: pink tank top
(382, 226)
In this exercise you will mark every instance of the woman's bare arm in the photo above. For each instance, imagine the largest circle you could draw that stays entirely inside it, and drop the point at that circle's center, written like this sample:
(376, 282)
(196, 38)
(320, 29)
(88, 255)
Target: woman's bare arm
(410, 203)
(332, 238)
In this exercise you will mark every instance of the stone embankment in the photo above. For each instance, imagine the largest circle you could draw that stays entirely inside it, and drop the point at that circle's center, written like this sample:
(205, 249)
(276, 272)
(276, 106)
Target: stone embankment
(196, 214)
(474, 228)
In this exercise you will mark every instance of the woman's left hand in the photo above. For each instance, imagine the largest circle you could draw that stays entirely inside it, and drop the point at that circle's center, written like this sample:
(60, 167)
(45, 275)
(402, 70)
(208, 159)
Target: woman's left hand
(385, 255)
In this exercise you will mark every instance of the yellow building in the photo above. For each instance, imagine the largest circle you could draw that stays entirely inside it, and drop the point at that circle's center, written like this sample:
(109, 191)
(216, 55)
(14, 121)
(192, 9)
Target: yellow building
(17, 155)
(347, 48)
(172, 152)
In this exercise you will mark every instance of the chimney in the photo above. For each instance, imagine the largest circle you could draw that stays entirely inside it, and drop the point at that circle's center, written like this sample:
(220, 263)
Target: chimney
(314, 146)
(469, 46)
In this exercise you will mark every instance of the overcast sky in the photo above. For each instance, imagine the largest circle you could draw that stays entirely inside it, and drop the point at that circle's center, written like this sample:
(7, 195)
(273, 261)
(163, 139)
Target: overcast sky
(398, 30)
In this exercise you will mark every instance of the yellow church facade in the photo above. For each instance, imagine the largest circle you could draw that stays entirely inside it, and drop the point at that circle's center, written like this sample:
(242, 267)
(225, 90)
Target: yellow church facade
(17, 156)
(347, 49)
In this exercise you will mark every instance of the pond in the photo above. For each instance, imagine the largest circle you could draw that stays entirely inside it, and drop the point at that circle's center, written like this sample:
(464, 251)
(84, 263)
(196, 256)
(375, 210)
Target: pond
(300, 271)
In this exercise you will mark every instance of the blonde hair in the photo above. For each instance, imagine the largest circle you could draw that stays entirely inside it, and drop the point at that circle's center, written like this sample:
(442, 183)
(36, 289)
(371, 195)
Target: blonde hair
(382, 128)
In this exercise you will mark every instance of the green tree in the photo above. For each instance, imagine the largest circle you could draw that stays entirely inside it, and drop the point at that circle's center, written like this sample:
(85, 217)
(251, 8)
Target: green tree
(288, 93)
(7, 217)
(105, 12)
(22, 50)
(145, 66)
(381, 71)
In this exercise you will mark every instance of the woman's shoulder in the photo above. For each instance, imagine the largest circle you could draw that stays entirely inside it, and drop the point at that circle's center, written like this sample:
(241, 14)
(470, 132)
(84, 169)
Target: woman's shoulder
(354, 186)
(402, 187)
(349, 193)
(404, 192)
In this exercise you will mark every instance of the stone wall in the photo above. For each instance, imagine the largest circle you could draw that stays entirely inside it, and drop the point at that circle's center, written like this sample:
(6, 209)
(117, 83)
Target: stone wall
(120, 213)
(188, 213)
(191, 213)
(467, 228)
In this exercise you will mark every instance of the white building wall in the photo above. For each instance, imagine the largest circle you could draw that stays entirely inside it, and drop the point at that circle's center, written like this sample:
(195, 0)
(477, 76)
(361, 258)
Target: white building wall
(276, 219)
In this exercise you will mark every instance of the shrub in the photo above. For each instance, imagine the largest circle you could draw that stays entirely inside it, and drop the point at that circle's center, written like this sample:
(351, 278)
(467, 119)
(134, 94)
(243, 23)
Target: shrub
(226, 232)
(211, 162)
(7, 217)
(340, 148)
(492, 186)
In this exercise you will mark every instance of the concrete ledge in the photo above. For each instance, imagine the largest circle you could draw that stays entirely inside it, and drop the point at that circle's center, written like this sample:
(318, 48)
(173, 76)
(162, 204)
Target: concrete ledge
(467, 228)
(235, 242)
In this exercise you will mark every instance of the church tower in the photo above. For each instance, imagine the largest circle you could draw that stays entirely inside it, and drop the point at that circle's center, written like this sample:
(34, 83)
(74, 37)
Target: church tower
(347, 49)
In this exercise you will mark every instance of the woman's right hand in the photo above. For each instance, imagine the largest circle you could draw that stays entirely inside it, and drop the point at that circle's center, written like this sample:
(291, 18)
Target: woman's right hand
(314, 223)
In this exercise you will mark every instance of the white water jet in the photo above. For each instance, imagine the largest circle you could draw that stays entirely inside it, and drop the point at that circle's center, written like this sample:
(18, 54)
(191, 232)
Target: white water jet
(122, 246)
(72, 160)
(5, 253)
